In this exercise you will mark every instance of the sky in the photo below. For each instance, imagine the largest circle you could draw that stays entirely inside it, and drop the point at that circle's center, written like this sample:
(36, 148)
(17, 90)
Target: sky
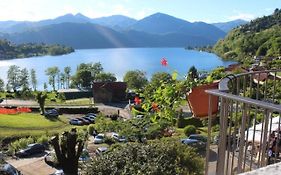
(190, 10)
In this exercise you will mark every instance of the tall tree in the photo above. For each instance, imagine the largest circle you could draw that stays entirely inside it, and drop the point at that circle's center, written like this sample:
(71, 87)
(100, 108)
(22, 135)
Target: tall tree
(67, 71)
(52, 72)
(2, 85)
(86, 74)
(193, 73)
(63, 80)
(105, 77)
(45, 86)
(135, 79)
(13, 77)
(33, 79)
(24, 79)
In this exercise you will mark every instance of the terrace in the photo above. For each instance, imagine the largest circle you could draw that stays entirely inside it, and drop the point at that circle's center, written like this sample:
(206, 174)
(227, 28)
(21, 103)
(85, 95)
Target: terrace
(249, 112)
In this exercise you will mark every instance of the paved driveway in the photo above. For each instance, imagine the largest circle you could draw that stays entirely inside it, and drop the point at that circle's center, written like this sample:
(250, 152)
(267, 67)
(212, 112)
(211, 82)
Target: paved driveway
(32, 166)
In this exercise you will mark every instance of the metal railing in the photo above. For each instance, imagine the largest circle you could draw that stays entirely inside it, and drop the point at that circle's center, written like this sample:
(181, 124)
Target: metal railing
(249, 122)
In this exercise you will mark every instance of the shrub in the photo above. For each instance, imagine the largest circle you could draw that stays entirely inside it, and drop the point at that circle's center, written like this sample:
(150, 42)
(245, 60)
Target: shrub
(91, 129)
(183, 122)
(190, 129)
(163, 157)
(216, 128)
(20, 144)
(43, 139)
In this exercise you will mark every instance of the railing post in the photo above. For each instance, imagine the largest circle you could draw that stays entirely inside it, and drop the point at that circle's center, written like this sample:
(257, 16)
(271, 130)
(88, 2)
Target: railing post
(242, 140)
(209, 135)
(264, 140)
(222, 137)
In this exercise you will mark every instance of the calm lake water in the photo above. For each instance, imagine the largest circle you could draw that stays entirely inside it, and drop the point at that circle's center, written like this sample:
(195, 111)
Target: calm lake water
(119, 61)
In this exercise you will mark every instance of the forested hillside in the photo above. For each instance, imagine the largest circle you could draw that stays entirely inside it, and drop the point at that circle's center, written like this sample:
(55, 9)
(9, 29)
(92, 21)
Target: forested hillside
(9, 50)
(260, 37)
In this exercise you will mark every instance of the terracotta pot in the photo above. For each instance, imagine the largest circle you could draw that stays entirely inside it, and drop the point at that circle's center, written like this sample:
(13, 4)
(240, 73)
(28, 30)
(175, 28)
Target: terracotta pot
(198, 100)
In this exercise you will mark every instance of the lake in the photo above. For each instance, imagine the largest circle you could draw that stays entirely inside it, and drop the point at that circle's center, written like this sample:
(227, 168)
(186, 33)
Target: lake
(120, 60)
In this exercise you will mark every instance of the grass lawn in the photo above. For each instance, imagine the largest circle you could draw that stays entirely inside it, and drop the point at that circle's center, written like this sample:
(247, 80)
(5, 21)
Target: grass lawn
(30, 124)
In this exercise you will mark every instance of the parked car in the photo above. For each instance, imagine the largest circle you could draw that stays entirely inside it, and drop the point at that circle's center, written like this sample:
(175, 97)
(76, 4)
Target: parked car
(31, 149)
(198, 137)
(91, 115)
(75, 122)
(90, 119)
(84, 121)
(51, 113)
(8, 169)
(99, 138)
(101, 150)
(118, 138)
(194, 143)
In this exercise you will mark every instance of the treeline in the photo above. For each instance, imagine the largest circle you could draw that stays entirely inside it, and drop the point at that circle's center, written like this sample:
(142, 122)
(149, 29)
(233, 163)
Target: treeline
(23, 80)
(261, 37)
(10, 51)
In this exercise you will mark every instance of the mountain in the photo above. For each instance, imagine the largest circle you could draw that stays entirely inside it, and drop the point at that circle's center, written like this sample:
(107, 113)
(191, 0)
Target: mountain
(22, 26)
(117, 22)
(77, 35)
(79, 31)
(87, 35)
(260, 37)
(160, 23)
(227, 26)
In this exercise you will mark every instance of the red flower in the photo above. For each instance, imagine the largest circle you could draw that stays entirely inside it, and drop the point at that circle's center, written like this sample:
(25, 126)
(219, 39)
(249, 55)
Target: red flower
(137, 100)
(155, 106)
(164, 62)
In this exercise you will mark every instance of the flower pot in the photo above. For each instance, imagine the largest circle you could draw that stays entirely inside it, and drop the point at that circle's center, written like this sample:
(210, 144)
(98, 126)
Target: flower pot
(198, 100)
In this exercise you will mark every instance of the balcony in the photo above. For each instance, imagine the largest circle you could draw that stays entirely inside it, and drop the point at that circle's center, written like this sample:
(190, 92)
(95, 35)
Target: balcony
(249, 120)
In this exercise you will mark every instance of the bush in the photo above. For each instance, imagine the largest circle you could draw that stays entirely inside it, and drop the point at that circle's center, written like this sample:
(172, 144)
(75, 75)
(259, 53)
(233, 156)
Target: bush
(20, 144)
(190, 129)
(216, 128)
(183, 122)
(109, 140)
(156, 157)
(44, 139)
(91, 129)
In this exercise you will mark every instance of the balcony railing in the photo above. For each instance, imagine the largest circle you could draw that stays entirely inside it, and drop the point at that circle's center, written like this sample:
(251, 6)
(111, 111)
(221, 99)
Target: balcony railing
(249, 122)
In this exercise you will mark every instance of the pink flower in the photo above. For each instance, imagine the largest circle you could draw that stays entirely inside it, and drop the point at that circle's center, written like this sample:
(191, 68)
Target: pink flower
(164, 62)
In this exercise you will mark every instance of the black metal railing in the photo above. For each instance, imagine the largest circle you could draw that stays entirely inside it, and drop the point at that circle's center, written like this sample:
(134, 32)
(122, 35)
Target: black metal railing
(249, 120)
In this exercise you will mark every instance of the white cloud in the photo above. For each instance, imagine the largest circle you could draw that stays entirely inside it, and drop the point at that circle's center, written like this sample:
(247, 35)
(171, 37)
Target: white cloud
(244, 16)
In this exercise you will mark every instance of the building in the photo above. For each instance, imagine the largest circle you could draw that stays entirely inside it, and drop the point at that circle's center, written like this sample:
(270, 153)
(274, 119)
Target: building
(107, 92)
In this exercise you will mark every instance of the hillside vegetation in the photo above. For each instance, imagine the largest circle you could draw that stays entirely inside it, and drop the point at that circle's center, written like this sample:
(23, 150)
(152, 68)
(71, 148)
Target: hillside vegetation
(9, 50)
(260, 37)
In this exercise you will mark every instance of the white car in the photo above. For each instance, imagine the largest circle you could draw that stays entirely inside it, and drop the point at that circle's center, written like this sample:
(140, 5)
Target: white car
(118, 138)
(99, 138)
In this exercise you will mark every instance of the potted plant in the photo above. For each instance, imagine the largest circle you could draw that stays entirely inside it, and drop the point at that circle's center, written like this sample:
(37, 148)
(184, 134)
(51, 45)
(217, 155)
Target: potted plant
(198, 99)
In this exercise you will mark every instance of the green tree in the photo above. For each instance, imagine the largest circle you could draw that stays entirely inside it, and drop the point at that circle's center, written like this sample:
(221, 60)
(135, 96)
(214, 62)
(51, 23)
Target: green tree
(192, 73)
(2, 85)
(52, 72)
(67, 71)
(41, 98)
(160, 77)
(24, 79)
(86, 74)
(13, 76)
(135, 79)
(105, 77)
(33, 79)
(45, 86)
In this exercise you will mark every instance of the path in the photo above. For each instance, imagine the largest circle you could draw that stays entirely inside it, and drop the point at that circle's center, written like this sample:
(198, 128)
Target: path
(32, 166)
